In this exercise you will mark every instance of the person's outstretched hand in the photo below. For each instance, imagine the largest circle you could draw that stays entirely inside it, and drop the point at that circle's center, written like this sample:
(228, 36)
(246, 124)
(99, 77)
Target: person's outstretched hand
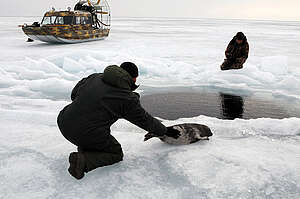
(149, 136)
(171, 132)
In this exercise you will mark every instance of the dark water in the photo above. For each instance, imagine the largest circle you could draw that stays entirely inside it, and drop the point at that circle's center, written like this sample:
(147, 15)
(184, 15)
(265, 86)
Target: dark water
(171, 104)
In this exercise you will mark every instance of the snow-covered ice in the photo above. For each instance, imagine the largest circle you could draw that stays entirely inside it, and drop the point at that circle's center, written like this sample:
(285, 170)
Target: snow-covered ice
(257, 158)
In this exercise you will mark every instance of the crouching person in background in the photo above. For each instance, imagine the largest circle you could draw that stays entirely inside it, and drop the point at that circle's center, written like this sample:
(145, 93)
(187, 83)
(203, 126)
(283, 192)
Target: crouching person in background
(98, 101)
(236, 53)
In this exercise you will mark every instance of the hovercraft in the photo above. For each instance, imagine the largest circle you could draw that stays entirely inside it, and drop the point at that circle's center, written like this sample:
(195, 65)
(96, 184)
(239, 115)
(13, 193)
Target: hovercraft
(89, 21)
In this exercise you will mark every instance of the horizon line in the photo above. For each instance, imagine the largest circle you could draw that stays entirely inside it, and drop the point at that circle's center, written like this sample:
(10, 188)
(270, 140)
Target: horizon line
(184, 18)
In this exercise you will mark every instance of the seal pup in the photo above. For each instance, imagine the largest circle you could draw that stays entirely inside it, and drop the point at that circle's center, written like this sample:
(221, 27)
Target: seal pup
(189, 133)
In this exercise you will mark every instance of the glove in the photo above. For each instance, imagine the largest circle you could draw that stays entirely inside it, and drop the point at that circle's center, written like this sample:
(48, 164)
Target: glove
(171, 132)
(149, 136)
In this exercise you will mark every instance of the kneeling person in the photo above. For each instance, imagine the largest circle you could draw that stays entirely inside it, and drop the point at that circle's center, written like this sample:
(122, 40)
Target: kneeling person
(236, 53)
(98, 101)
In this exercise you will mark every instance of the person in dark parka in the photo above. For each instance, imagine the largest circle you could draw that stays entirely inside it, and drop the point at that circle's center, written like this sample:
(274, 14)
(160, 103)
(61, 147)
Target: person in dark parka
(98, 101)
(236, 53)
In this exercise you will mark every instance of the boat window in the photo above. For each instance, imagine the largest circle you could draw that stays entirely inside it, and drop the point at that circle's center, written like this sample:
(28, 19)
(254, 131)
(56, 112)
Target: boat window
(46, 20)
(84, 20)
(77, 20)
(89, 20)
(68, 20)
(59, 20)
(53, 19)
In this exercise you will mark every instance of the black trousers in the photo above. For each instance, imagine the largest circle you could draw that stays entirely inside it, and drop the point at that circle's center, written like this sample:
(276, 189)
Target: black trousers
(96, 153)
(97, 156)
(99, 149)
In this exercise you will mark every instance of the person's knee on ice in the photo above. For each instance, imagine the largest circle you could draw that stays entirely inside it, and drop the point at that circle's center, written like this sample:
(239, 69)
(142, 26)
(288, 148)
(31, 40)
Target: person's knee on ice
(227, 64)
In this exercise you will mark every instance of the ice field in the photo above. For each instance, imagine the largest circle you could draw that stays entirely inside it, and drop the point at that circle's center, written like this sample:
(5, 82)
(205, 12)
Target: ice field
(256, 158)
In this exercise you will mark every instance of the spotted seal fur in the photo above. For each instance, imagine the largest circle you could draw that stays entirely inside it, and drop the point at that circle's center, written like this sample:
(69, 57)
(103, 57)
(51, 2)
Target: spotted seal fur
(189, 133)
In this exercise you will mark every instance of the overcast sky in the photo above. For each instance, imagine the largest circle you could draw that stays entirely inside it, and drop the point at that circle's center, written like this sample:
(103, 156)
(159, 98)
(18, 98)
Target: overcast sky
(241, 9)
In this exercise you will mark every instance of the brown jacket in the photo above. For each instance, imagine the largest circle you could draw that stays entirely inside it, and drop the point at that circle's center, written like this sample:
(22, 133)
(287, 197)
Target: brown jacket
(237, 53)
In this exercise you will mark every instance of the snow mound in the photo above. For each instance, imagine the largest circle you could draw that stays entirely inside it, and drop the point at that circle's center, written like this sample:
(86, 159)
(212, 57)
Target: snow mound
(170, 56)
(40, 75)
(275, 65)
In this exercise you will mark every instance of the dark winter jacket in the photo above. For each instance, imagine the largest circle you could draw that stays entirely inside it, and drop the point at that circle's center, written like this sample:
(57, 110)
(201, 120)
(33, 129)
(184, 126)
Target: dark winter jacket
(99, 101)
(237, 52)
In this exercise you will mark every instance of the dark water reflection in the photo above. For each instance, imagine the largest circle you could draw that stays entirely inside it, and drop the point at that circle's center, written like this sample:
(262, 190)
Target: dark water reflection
(174, 105)
(232, 106)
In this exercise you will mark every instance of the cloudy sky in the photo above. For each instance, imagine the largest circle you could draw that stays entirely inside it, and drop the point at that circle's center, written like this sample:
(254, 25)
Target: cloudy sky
(241, 9)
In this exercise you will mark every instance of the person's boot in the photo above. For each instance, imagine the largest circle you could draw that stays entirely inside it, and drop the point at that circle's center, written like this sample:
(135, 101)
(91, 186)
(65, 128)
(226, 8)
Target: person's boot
(77, 165)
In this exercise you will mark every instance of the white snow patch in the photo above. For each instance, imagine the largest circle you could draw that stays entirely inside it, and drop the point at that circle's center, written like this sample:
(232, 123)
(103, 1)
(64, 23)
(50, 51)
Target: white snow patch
(244, 159)
(275, 64)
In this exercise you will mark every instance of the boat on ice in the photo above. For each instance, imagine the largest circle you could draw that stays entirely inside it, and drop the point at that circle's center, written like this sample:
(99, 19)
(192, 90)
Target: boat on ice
(89, 21)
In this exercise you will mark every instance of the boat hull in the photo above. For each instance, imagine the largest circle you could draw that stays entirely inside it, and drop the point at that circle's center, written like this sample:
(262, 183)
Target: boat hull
(65, 33)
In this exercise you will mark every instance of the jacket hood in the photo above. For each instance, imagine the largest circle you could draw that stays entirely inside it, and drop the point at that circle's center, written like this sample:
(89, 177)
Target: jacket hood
(232, 42)
(118, 77)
